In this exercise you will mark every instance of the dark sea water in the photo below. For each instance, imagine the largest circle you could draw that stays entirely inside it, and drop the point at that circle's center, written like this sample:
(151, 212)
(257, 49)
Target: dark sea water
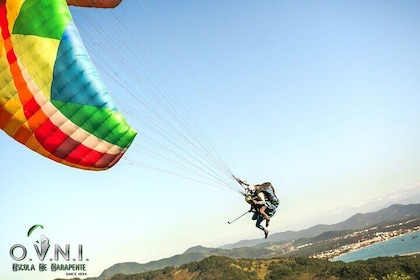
(401, 245)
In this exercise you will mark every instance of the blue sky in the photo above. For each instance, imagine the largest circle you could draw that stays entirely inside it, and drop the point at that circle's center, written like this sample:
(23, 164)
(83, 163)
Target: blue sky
(322, 98)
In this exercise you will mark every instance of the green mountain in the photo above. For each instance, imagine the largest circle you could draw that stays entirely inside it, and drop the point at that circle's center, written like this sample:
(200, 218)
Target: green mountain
(216, 268)
(193, 254)
(276, 245)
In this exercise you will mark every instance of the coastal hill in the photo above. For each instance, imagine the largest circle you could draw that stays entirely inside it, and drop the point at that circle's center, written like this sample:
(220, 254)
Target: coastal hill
(284, 243)
(215, 268)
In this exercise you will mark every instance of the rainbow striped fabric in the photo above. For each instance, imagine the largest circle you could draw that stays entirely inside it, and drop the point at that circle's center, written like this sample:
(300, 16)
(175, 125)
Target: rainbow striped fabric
(51, 97)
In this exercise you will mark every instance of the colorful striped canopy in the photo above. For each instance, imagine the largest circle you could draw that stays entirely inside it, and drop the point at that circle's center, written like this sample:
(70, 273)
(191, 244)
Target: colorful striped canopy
(51, 97)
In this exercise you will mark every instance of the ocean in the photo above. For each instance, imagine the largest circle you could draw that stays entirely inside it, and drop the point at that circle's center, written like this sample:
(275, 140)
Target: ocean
(401, 245)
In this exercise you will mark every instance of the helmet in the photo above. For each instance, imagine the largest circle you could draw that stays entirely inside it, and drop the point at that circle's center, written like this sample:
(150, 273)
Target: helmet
(250, 189)
(248, 199)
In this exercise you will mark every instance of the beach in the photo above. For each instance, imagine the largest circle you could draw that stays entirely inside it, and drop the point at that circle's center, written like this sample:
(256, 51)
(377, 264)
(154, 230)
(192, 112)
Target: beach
(406, 244)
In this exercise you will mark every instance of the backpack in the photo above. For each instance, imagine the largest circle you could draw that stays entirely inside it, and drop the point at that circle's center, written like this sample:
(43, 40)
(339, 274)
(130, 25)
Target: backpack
(269, 192)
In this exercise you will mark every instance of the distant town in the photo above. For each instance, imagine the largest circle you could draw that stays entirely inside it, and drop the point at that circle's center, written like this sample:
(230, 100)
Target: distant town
(362, 238)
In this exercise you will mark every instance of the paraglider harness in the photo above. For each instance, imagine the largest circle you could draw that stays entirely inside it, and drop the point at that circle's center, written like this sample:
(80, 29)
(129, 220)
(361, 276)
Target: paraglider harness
(267, 188)
(255, 208)
(269, 193)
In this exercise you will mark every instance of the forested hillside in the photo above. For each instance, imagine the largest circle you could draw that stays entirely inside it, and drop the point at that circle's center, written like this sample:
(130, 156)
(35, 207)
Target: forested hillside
(216, 268)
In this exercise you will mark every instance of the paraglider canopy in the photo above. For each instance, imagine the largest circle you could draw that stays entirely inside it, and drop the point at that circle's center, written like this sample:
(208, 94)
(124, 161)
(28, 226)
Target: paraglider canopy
(52, 99)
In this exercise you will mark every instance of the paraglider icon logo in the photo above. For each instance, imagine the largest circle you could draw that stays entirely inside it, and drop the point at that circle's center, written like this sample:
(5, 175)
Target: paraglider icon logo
(24, 260)
(33, 228)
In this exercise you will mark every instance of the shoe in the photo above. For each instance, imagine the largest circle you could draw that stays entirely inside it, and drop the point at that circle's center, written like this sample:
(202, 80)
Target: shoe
(266, 233)
(267, 222)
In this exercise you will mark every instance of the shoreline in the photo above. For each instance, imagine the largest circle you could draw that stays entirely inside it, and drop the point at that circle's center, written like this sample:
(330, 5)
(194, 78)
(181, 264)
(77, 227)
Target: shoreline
(410, 254)
(416, 232)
